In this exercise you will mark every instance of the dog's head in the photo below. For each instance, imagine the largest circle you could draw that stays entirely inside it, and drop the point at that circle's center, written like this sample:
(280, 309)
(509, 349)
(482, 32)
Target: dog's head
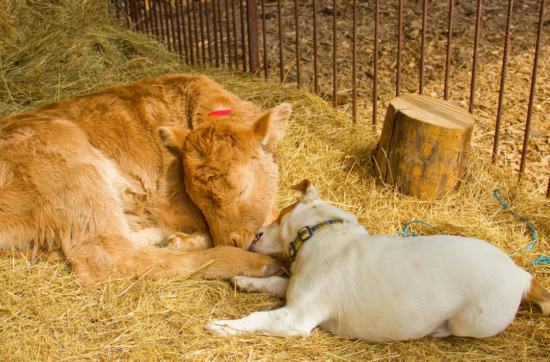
(308, 210)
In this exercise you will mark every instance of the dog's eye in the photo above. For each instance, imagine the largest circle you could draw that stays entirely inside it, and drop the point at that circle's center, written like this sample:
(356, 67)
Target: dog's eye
(257, 237)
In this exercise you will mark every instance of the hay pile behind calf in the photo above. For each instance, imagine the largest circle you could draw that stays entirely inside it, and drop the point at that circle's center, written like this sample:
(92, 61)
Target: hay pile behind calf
(56, 49)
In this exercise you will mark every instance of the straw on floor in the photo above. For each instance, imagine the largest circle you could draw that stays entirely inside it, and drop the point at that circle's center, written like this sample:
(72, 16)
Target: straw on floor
(54, 49)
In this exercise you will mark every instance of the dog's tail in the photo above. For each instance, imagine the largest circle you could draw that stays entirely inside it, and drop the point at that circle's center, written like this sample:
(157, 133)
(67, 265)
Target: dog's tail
(537, 294)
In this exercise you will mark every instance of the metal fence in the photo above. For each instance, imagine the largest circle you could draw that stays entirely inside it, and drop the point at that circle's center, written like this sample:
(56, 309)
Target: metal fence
(226, 33)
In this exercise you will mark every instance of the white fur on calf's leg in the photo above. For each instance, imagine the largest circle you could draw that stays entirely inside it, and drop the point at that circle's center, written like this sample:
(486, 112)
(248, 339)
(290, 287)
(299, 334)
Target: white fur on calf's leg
(281, 322)
(273, 285)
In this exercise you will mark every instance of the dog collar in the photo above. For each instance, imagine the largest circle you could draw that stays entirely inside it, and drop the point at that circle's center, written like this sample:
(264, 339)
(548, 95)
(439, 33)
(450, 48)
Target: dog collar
(221, 112)
(306, 233)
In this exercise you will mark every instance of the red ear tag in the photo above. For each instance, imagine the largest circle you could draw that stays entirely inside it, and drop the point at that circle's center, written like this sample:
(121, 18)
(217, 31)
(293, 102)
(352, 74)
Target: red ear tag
(274, 158)
(221, 112)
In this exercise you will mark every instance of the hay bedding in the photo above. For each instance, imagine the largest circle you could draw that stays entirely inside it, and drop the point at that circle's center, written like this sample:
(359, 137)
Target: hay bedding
(53, 49)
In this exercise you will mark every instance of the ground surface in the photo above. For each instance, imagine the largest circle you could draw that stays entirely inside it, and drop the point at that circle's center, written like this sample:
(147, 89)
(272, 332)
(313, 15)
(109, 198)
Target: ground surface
(524, 27)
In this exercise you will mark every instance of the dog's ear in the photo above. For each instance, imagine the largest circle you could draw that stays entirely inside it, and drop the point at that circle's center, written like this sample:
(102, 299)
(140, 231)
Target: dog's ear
(309, 193)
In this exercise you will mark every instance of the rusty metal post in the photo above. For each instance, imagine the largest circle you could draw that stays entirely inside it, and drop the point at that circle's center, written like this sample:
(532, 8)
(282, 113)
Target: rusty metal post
(235, 41)
(264, 37)
(354, 70)
(203, 47)
(315, 49)
(423, 45)
(208, 35)
(253, 49)
(221, 31)
(243, 41)
(191, 39)
(281, 58)
(154, 17)
(334, 55)
(449, 40)
(215, 40)
(167, 23)
(181, 28)
(375, 70)
(474, 60)
(227, 23)
(175, 39)
(532, 93)
(399, 49)
(297, 20)
(127, 13)
(503, 80)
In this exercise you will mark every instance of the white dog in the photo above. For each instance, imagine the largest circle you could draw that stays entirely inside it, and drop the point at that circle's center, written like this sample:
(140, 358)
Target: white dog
(378, 287)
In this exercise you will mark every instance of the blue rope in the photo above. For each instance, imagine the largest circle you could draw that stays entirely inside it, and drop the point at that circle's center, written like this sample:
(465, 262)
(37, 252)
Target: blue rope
(406, 233)
(542, 259)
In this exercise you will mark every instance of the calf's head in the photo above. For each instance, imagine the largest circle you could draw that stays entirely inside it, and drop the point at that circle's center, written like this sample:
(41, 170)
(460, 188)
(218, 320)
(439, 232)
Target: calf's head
(230, 171)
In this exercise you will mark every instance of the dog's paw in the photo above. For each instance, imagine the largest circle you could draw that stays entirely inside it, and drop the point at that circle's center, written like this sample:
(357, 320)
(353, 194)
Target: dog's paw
(245, 284)
(222, 328)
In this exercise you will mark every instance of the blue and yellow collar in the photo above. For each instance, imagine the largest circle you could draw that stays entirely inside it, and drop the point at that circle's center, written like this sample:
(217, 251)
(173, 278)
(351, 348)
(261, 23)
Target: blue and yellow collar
(306, 233)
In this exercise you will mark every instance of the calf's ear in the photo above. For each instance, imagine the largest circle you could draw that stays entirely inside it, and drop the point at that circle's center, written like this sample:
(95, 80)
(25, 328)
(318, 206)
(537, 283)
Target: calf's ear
(172, 138)
(309, 193)
(270, 128)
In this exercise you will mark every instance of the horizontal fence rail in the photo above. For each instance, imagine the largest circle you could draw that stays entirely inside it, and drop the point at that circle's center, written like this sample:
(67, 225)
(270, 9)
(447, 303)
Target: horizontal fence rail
(226, 33)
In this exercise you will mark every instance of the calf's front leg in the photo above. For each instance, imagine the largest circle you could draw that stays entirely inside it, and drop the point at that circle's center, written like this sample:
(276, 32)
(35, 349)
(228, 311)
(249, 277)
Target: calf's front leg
(281, 322)
(273, 285)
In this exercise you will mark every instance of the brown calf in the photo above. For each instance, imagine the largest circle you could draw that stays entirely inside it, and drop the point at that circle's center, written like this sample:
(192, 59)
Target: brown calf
(107, 176)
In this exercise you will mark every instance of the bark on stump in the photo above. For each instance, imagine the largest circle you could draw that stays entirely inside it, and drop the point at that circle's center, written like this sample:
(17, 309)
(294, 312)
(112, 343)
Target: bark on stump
(423, 146)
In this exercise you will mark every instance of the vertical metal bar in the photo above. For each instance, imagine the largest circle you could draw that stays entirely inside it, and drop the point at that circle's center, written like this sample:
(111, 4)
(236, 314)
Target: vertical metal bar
(399, 49)
(220, 25)
(243, 41)
(503, 79)
(253, 50)
(163, 37)
(354, 70)
(334, 54)
(133, 13)
(215, 22)
(208, 35)
(315, 49)
(281, 57)
(532, 93)
(191, 40)
(449, 40)
(474, 60)
(127, 12)
(548, 190)
(197, 42)
(181, 17)
(150, 17)
(235, 41)
(375, 70)
(227, 23)
(203, 47)
(297, 20)
(143, 17)
(264, 37)
(173, 27)
(167, 23)
(423, 46)
(154, 20)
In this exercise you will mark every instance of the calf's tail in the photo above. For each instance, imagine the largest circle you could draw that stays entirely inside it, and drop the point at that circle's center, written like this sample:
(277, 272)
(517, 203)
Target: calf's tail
(537, 294)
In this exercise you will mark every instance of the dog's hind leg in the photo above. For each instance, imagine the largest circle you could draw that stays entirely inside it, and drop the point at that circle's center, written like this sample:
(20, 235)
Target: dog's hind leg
(281, 322)
(273, 285)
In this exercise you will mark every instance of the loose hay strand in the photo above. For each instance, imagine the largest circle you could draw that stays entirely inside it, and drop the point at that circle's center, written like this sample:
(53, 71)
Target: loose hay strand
(65, 48)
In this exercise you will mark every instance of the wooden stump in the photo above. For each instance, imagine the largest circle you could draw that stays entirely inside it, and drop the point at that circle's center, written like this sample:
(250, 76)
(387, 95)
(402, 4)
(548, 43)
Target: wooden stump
(423, 146)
